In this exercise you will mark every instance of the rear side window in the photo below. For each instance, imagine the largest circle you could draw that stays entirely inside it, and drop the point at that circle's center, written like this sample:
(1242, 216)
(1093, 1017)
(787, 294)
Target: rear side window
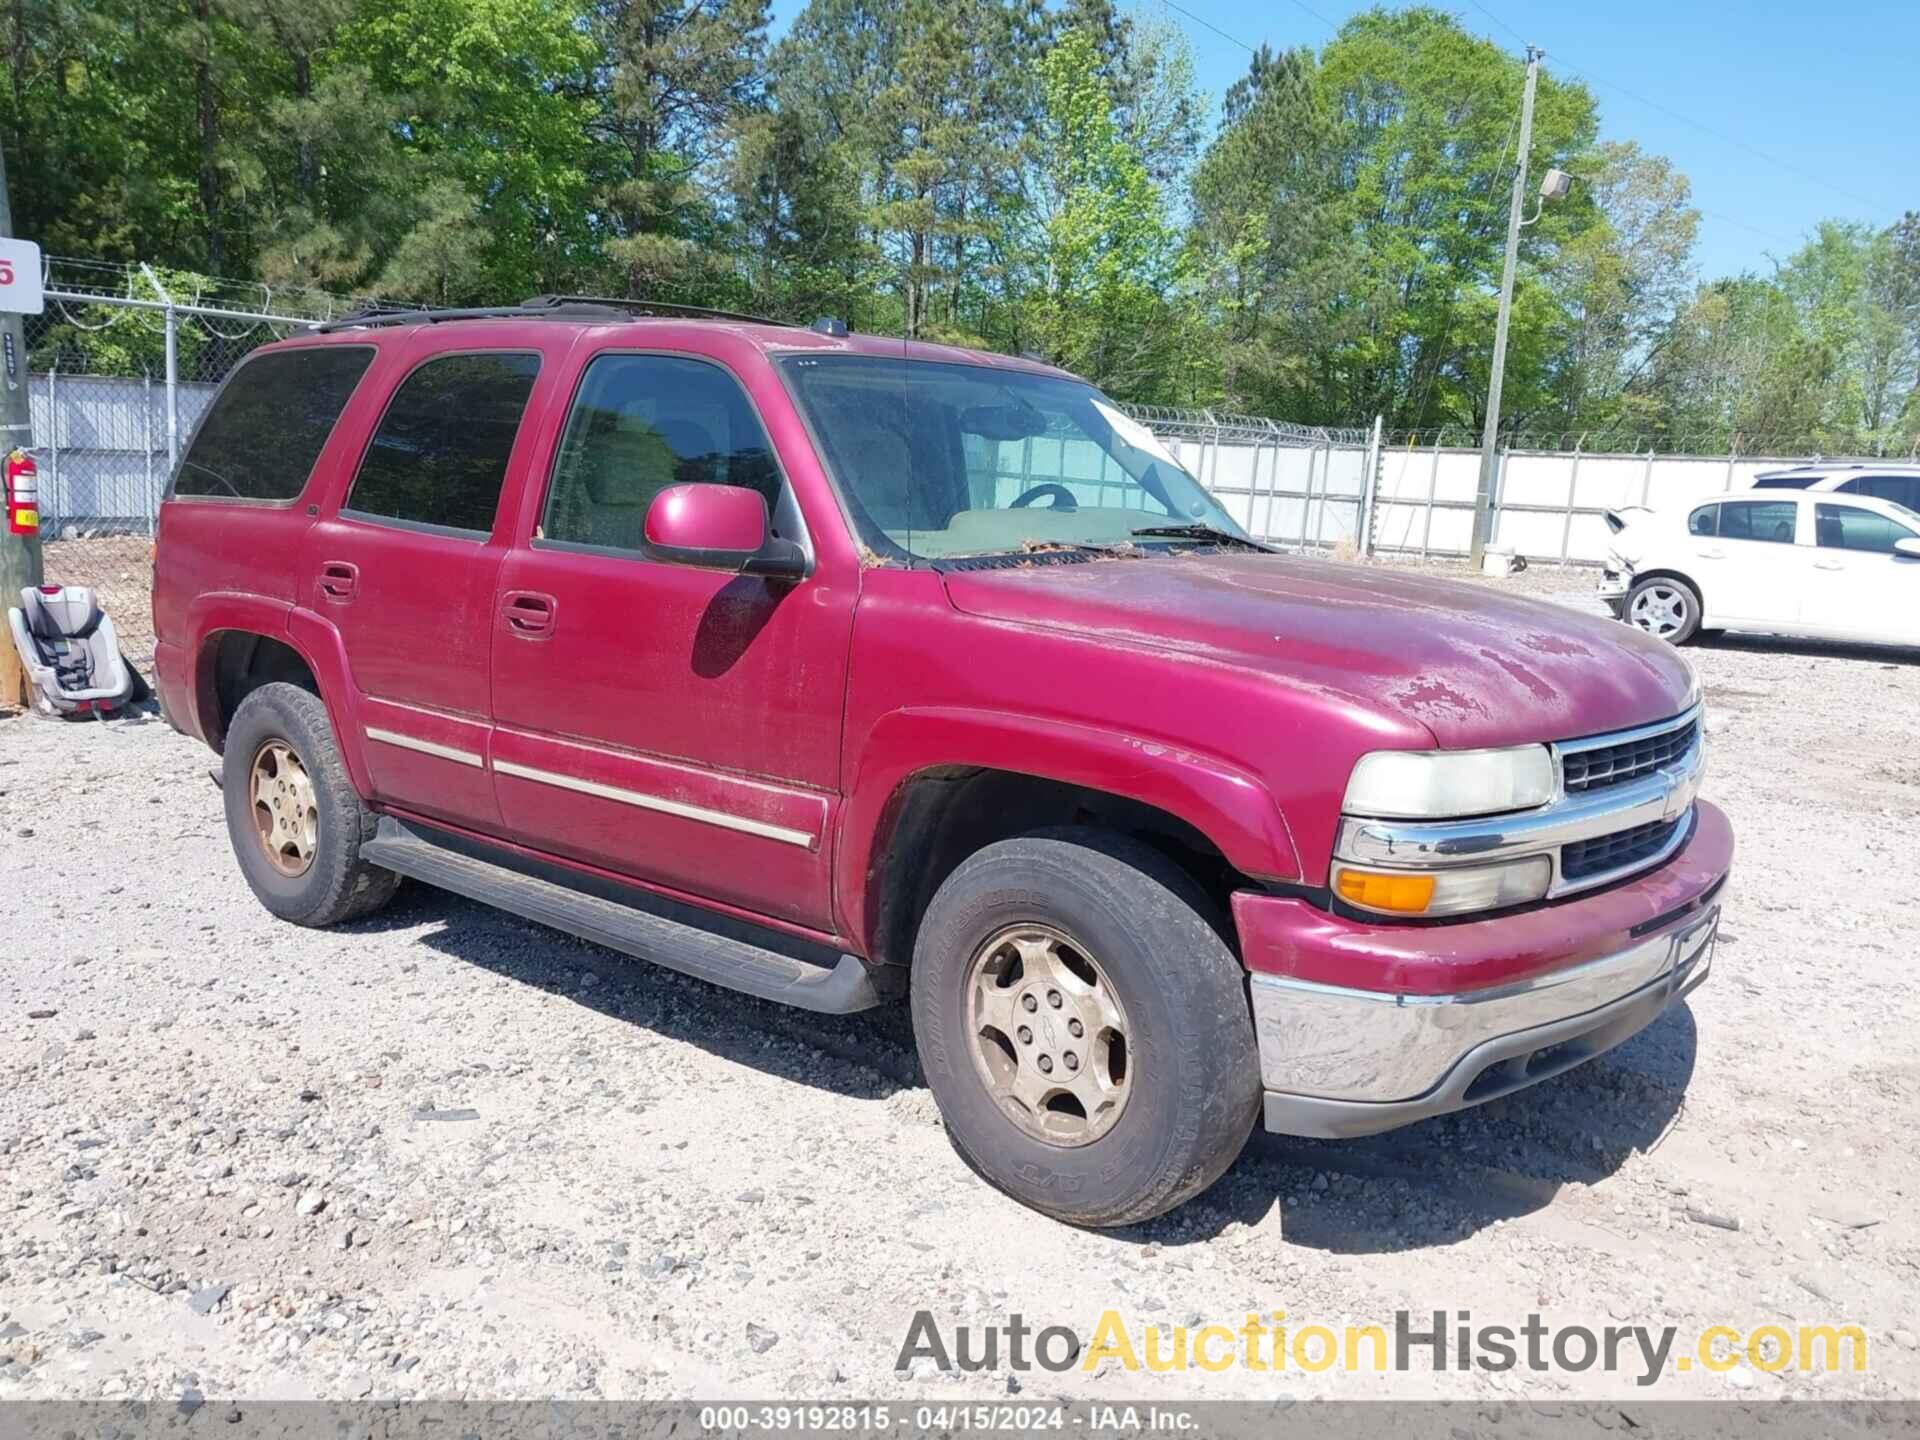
(1771, 520)
(1847, 527)
(440, 455)
(639, 424)
(270, 422)
(1901, 489)
(1784, 482)
(1704, 521)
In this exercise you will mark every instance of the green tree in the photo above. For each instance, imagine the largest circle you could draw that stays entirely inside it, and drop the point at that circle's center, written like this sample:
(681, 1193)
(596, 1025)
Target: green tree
(1101, 255)
(1619, 282)
(679, 79)
(496, 102)
(1353, 208)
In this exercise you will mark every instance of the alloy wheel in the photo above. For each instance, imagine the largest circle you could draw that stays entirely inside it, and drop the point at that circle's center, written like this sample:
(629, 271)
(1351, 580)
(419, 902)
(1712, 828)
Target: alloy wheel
(1661, 610)
(286, 814)
(1048, 1034)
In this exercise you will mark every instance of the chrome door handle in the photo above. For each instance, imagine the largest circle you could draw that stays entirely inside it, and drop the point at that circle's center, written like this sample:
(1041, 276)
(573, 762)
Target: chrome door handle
(1828, 565)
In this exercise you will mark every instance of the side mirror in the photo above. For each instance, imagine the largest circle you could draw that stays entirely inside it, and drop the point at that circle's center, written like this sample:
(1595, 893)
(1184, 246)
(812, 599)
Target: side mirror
(718, 527)
(1909, 547)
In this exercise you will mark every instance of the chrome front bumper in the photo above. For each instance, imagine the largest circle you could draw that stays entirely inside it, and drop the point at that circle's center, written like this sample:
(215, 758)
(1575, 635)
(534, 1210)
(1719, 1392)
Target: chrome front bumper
(1338, 1062)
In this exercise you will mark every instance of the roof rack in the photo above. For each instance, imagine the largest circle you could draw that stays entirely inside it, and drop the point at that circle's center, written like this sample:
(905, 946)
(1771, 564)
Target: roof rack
(537, 307)
(647, 307)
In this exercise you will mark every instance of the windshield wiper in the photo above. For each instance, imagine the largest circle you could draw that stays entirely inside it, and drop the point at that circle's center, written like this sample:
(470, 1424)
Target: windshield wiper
(1210, 533)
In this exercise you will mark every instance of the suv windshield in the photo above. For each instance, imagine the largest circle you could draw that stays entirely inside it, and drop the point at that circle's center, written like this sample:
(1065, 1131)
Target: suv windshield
(938, 460)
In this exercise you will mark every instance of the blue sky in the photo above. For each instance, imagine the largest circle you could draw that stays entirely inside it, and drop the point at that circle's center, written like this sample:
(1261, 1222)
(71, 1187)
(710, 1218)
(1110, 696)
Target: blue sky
(1809, 109)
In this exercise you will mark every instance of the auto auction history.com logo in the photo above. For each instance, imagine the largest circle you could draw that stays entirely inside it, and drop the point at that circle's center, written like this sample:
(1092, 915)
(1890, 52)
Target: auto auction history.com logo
(1434, 1341)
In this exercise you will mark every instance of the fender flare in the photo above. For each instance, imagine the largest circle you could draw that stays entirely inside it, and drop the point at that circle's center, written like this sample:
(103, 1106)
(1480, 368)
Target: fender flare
(1226, 803)
(316, 642)
(209, 615)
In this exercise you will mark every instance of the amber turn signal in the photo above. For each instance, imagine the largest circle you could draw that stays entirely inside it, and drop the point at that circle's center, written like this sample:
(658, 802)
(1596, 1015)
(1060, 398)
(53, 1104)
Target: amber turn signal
(1377, 890)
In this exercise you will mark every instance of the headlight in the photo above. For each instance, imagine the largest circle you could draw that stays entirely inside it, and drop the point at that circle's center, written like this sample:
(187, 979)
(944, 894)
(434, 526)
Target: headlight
(1450, 891)
(1448, 784)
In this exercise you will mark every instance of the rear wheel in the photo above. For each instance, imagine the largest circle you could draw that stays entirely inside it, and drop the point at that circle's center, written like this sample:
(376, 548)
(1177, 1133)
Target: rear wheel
(293, 816)
(1666, 607)
(1083, 1028)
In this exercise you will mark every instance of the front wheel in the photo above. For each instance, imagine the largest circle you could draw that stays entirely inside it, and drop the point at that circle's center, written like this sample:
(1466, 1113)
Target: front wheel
(1083, 1028)
(1665, 607)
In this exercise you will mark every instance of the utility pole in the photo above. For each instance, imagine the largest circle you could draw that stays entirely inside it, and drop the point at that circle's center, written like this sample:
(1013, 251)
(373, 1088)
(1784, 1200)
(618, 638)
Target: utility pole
(19, 554)
(20, 562)
(1490, 438)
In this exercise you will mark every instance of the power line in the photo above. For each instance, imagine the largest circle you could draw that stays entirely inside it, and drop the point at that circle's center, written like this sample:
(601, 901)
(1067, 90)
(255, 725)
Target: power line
(1498, 21)
(1592, 78)
(1235, 39)
(1723, 137)
(1201, 20)
(1774, 235)
(1699, 125)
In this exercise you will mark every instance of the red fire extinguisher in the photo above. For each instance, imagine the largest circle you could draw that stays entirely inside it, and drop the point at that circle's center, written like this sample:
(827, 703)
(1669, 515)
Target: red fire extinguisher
(23, 494)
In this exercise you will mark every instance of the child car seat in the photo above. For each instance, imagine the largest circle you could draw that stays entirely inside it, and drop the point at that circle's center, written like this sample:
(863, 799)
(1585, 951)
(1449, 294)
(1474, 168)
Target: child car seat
(72, 656)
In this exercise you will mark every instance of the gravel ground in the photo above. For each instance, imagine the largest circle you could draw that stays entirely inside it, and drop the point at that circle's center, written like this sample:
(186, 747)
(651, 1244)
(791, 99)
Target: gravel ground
(448, 1153)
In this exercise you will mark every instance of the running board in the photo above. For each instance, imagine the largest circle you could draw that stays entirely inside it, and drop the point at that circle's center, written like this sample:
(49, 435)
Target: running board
(737, 963)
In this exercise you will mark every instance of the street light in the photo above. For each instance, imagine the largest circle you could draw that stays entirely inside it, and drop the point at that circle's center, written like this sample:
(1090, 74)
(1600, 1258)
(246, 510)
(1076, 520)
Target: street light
(1554, 185)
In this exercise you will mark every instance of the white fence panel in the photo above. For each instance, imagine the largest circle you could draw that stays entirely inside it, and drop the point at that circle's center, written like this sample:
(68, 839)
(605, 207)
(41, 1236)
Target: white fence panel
(101, 445)
(1549, 504)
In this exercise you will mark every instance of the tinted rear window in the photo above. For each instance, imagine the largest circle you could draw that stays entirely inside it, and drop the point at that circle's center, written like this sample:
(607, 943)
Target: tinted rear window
(1770, 520)
(1901, 489)
(1784, 482)
(440, 455)
(270, 422)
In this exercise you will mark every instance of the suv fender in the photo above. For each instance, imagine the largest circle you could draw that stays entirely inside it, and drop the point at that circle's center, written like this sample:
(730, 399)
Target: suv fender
(319, 644)
(1231, 807)
(311, 638)
(208, 616)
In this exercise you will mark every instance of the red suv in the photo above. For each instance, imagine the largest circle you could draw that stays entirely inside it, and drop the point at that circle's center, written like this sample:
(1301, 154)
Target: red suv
(832, 668)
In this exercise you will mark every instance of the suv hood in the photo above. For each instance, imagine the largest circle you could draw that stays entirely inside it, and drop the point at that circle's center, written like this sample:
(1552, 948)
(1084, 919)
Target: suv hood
(1474, 666)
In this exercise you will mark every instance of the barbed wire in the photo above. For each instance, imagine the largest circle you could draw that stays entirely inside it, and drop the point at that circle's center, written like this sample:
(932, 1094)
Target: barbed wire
(211, 315)
(1204, 424)
(1706, 444)
(111, 280)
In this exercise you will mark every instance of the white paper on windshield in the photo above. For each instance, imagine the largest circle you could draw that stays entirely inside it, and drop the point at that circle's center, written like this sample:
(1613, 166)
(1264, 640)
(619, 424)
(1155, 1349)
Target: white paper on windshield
(1135, 434)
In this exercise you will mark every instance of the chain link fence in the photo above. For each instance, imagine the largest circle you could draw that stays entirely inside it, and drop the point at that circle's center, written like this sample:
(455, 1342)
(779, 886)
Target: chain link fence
(125, 360)
(1304, 487)
(122, 363)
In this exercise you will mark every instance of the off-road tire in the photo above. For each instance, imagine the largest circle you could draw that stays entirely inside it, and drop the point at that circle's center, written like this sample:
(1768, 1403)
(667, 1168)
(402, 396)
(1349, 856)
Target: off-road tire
(1195, 1088)
(338, 885)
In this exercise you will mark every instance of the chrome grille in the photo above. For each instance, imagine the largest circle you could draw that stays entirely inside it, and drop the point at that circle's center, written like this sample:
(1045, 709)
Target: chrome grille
(1604, 765)
(1583, 859)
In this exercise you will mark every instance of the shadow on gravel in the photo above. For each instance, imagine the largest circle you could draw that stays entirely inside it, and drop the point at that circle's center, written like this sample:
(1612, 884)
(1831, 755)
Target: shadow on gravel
(1427, 1185)
(1888, 655)
(1443, 1180)
(867, 1055)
